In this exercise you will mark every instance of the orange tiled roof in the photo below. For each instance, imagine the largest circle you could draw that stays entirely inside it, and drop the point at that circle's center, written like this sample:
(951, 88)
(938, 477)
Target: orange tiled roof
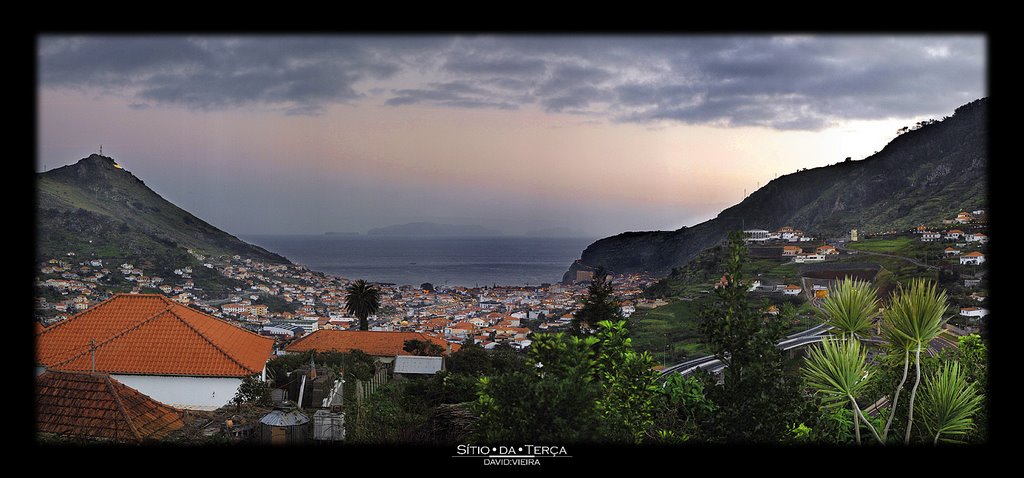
(378, 343)
(150, 334)
(793, 287)
(975, 254)
(94, 405)
(39, 328)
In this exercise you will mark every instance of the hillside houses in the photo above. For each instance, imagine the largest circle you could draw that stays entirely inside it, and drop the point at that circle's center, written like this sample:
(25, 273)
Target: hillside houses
(826, 250)
(783, 234)
(972, 258)
(317, 300)
(807, 257)
(791, 251)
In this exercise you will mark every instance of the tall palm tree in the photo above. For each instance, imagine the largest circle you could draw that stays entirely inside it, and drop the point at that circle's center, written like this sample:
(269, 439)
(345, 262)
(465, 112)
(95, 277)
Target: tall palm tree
(851, 306)
(912, 321)
(362, 300)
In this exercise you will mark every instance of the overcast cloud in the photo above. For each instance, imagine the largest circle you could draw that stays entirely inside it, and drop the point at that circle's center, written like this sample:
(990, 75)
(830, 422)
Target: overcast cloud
(787, 82)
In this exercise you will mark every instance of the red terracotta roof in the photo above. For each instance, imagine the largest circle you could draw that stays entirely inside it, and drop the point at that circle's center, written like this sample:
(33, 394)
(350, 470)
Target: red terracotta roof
(378, 343)
(94, 405)
(975, 254)
(152, 335)
(39, 328)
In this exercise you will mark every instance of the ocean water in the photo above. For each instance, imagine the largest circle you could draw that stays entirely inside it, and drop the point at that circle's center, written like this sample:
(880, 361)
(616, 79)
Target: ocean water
(466, 261)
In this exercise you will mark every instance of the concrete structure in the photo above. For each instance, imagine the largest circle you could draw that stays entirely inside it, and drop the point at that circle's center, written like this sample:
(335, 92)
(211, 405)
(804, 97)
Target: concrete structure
(809, 258)
(853, 235)
(756, 235)
(973, 312)
(417, 365)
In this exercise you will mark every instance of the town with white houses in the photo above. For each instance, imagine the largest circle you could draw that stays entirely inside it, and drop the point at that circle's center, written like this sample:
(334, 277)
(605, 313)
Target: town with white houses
(488, 316)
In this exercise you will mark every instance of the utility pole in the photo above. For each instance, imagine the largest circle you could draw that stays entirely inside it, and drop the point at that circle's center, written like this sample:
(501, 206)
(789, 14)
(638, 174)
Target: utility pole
(92, 349)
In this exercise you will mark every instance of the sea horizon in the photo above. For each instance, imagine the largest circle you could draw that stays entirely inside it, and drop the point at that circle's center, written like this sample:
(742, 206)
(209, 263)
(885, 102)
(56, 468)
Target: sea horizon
(454, 261)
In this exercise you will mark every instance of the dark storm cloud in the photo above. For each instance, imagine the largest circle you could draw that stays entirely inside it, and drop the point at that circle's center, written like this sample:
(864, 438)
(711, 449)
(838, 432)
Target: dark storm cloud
(784, 82)
(299, 75)
(456, 94)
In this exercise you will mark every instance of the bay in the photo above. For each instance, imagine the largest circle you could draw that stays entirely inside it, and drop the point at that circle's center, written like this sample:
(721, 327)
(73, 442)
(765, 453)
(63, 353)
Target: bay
(465, 261)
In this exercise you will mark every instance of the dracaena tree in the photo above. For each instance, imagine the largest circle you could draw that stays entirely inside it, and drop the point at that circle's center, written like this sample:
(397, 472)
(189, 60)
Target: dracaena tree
(949, 402)
(838, 369)
(851, 307)
(914, 318)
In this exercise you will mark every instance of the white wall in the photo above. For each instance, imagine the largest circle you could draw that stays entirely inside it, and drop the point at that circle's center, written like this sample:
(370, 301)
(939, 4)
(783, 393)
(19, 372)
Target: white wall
(195, 393)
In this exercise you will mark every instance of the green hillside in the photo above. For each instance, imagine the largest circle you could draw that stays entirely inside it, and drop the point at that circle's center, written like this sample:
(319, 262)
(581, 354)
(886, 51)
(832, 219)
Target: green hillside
(96, 209)
(920, 177)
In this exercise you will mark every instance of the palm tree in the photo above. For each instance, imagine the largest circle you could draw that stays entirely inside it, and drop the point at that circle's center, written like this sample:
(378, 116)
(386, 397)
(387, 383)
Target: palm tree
(362, 300)
(912, 321)
(948, 402)
(837, 370)
(851, 306)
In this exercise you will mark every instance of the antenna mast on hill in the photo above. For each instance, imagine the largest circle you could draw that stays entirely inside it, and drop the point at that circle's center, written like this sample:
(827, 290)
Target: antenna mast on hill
(101, 150)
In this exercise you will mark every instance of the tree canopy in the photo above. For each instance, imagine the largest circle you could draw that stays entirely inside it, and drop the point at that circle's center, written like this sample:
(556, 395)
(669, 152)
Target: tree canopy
(362, 301)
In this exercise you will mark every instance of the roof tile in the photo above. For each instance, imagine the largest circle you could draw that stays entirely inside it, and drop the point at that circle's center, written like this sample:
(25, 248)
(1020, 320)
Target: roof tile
(150, 334)
(378, 343)
(94, 405)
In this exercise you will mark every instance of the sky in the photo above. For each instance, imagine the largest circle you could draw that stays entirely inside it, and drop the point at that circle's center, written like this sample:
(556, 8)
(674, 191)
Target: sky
(601, 134)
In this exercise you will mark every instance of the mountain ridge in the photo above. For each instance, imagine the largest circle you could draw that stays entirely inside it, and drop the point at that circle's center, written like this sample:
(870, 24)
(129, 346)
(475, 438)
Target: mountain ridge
(96, 205)
(920, 176)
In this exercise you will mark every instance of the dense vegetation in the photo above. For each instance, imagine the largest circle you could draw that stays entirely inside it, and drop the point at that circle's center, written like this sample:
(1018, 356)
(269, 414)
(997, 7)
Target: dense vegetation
(592, 385)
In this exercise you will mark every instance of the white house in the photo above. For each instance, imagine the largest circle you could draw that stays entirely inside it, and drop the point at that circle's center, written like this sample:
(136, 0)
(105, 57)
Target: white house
(973, 258)
(756, 235)
(951, 251)
(174, 354)
(973, 311)
(754, 285)
(283, 330)
(804, 257)
(954, 234)
(792, 289)
(930, 236)
(976, 237)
